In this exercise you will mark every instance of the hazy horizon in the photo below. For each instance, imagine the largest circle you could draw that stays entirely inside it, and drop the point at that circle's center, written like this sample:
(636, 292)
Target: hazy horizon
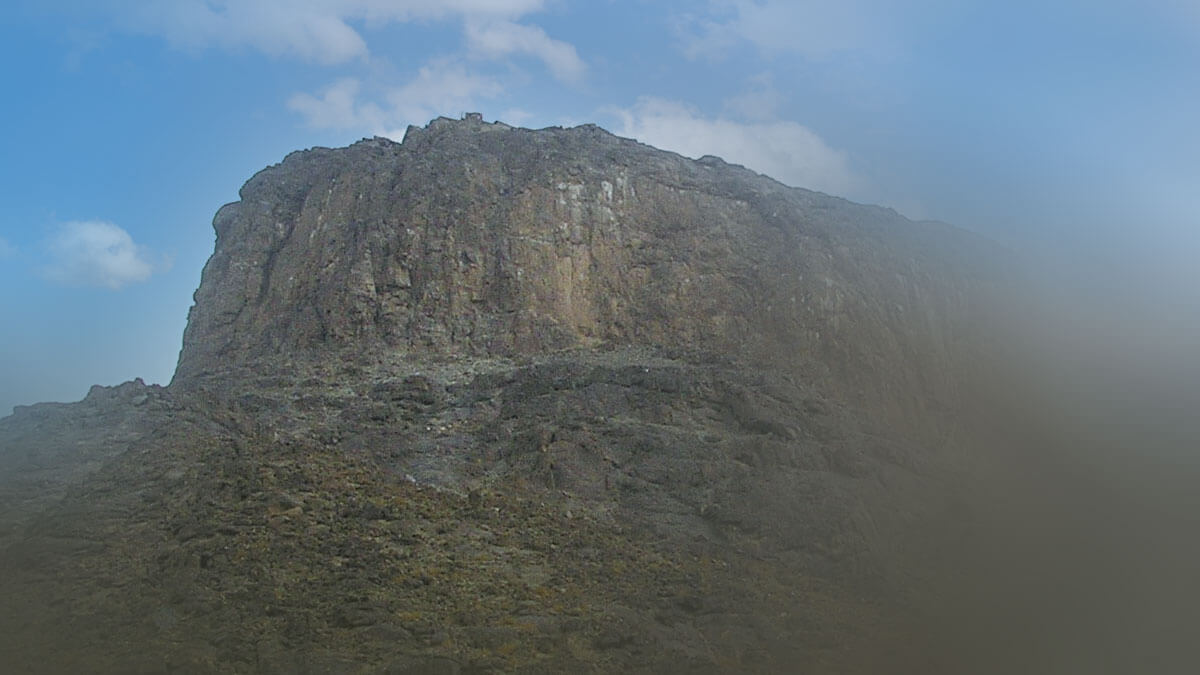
(1065, 133)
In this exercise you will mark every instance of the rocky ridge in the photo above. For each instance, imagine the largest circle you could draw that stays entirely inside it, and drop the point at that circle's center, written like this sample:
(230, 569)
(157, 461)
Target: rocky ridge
(475, 240)
(502, 400)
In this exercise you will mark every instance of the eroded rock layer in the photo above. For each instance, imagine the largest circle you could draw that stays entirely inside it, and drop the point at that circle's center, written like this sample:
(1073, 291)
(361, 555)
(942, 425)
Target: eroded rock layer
(476, 239)
(502, 400)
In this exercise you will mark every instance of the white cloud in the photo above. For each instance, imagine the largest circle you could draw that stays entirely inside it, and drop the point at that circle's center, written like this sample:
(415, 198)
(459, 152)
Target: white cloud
(337, 107)
(332, 32)
(321, 31)
(497, 39)
(812, 28)
(7, 250)
(310, 31)
(96, 253)
(760, 103)
(441, 87)
(786, 151)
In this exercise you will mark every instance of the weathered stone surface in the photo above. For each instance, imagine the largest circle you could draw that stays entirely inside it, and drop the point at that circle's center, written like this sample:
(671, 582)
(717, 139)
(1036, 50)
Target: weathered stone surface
(501, 400)
(480, 240)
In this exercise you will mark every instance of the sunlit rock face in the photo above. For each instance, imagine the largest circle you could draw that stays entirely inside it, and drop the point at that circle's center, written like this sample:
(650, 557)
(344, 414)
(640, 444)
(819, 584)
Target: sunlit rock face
(502, 400)
(477, 239)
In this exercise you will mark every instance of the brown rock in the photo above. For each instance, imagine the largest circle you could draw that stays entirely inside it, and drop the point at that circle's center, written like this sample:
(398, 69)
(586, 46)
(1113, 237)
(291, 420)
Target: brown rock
(475, 239)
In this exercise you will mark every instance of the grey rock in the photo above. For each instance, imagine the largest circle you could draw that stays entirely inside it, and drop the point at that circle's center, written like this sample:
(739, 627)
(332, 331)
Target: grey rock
(478, 240)
(534, 401)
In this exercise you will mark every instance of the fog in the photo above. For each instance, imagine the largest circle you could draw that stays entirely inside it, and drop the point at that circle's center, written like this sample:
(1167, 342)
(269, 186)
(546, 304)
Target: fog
(1065, 132)
(1071, 547)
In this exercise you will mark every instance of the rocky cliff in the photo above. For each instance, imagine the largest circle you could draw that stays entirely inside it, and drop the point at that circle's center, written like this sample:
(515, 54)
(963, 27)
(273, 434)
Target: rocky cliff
(495, 399)
(472, 239)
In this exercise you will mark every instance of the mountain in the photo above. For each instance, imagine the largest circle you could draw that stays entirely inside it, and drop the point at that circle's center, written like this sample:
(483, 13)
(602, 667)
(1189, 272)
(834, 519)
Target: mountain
(503, 400)
(479, 240)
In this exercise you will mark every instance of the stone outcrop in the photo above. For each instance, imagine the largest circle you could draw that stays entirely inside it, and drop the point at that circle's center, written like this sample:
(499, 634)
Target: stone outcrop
(503, 400)
(472, 239)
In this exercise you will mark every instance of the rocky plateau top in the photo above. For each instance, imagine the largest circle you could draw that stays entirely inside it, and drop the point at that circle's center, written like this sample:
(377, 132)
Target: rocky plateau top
(503, 400)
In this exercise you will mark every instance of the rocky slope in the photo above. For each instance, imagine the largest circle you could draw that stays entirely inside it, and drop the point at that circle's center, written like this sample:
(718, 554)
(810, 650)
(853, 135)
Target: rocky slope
(476, 239)
(496, 400)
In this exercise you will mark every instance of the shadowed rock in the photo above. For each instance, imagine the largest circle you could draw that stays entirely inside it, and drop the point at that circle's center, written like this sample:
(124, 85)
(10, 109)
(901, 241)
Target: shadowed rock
(495, 399)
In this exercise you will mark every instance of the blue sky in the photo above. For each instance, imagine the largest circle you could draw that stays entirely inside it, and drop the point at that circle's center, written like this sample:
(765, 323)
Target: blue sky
(1063, 128)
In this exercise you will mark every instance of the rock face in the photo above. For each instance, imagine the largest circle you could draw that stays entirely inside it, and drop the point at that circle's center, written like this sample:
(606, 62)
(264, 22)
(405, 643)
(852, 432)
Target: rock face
(497, 400)
(476, 239)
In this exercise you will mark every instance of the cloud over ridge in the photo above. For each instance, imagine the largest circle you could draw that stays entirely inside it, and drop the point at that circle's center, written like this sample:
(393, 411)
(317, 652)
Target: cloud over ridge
(96, 253)
(324, 31)
(501, 38)
(441, 86)
(784, 150)
(336, 32)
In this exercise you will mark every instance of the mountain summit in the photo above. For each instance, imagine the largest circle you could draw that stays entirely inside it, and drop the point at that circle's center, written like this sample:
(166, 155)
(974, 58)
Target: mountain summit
(472, 239)
(503, 400)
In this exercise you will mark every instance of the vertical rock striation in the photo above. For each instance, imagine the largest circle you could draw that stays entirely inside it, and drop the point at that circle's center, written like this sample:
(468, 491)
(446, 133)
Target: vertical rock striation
(503, 400)
(477, 239)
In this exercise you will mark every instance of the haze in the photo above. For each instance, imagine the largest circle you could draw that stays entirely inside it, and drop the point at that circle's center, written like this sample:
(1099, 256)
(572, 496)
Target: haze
(1065, 132)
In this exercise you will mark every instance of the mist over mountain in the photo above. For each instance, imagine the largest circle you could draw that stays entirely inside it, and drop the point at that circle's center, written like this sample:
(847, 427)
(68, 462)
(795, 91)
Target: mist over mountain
(503, 400)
